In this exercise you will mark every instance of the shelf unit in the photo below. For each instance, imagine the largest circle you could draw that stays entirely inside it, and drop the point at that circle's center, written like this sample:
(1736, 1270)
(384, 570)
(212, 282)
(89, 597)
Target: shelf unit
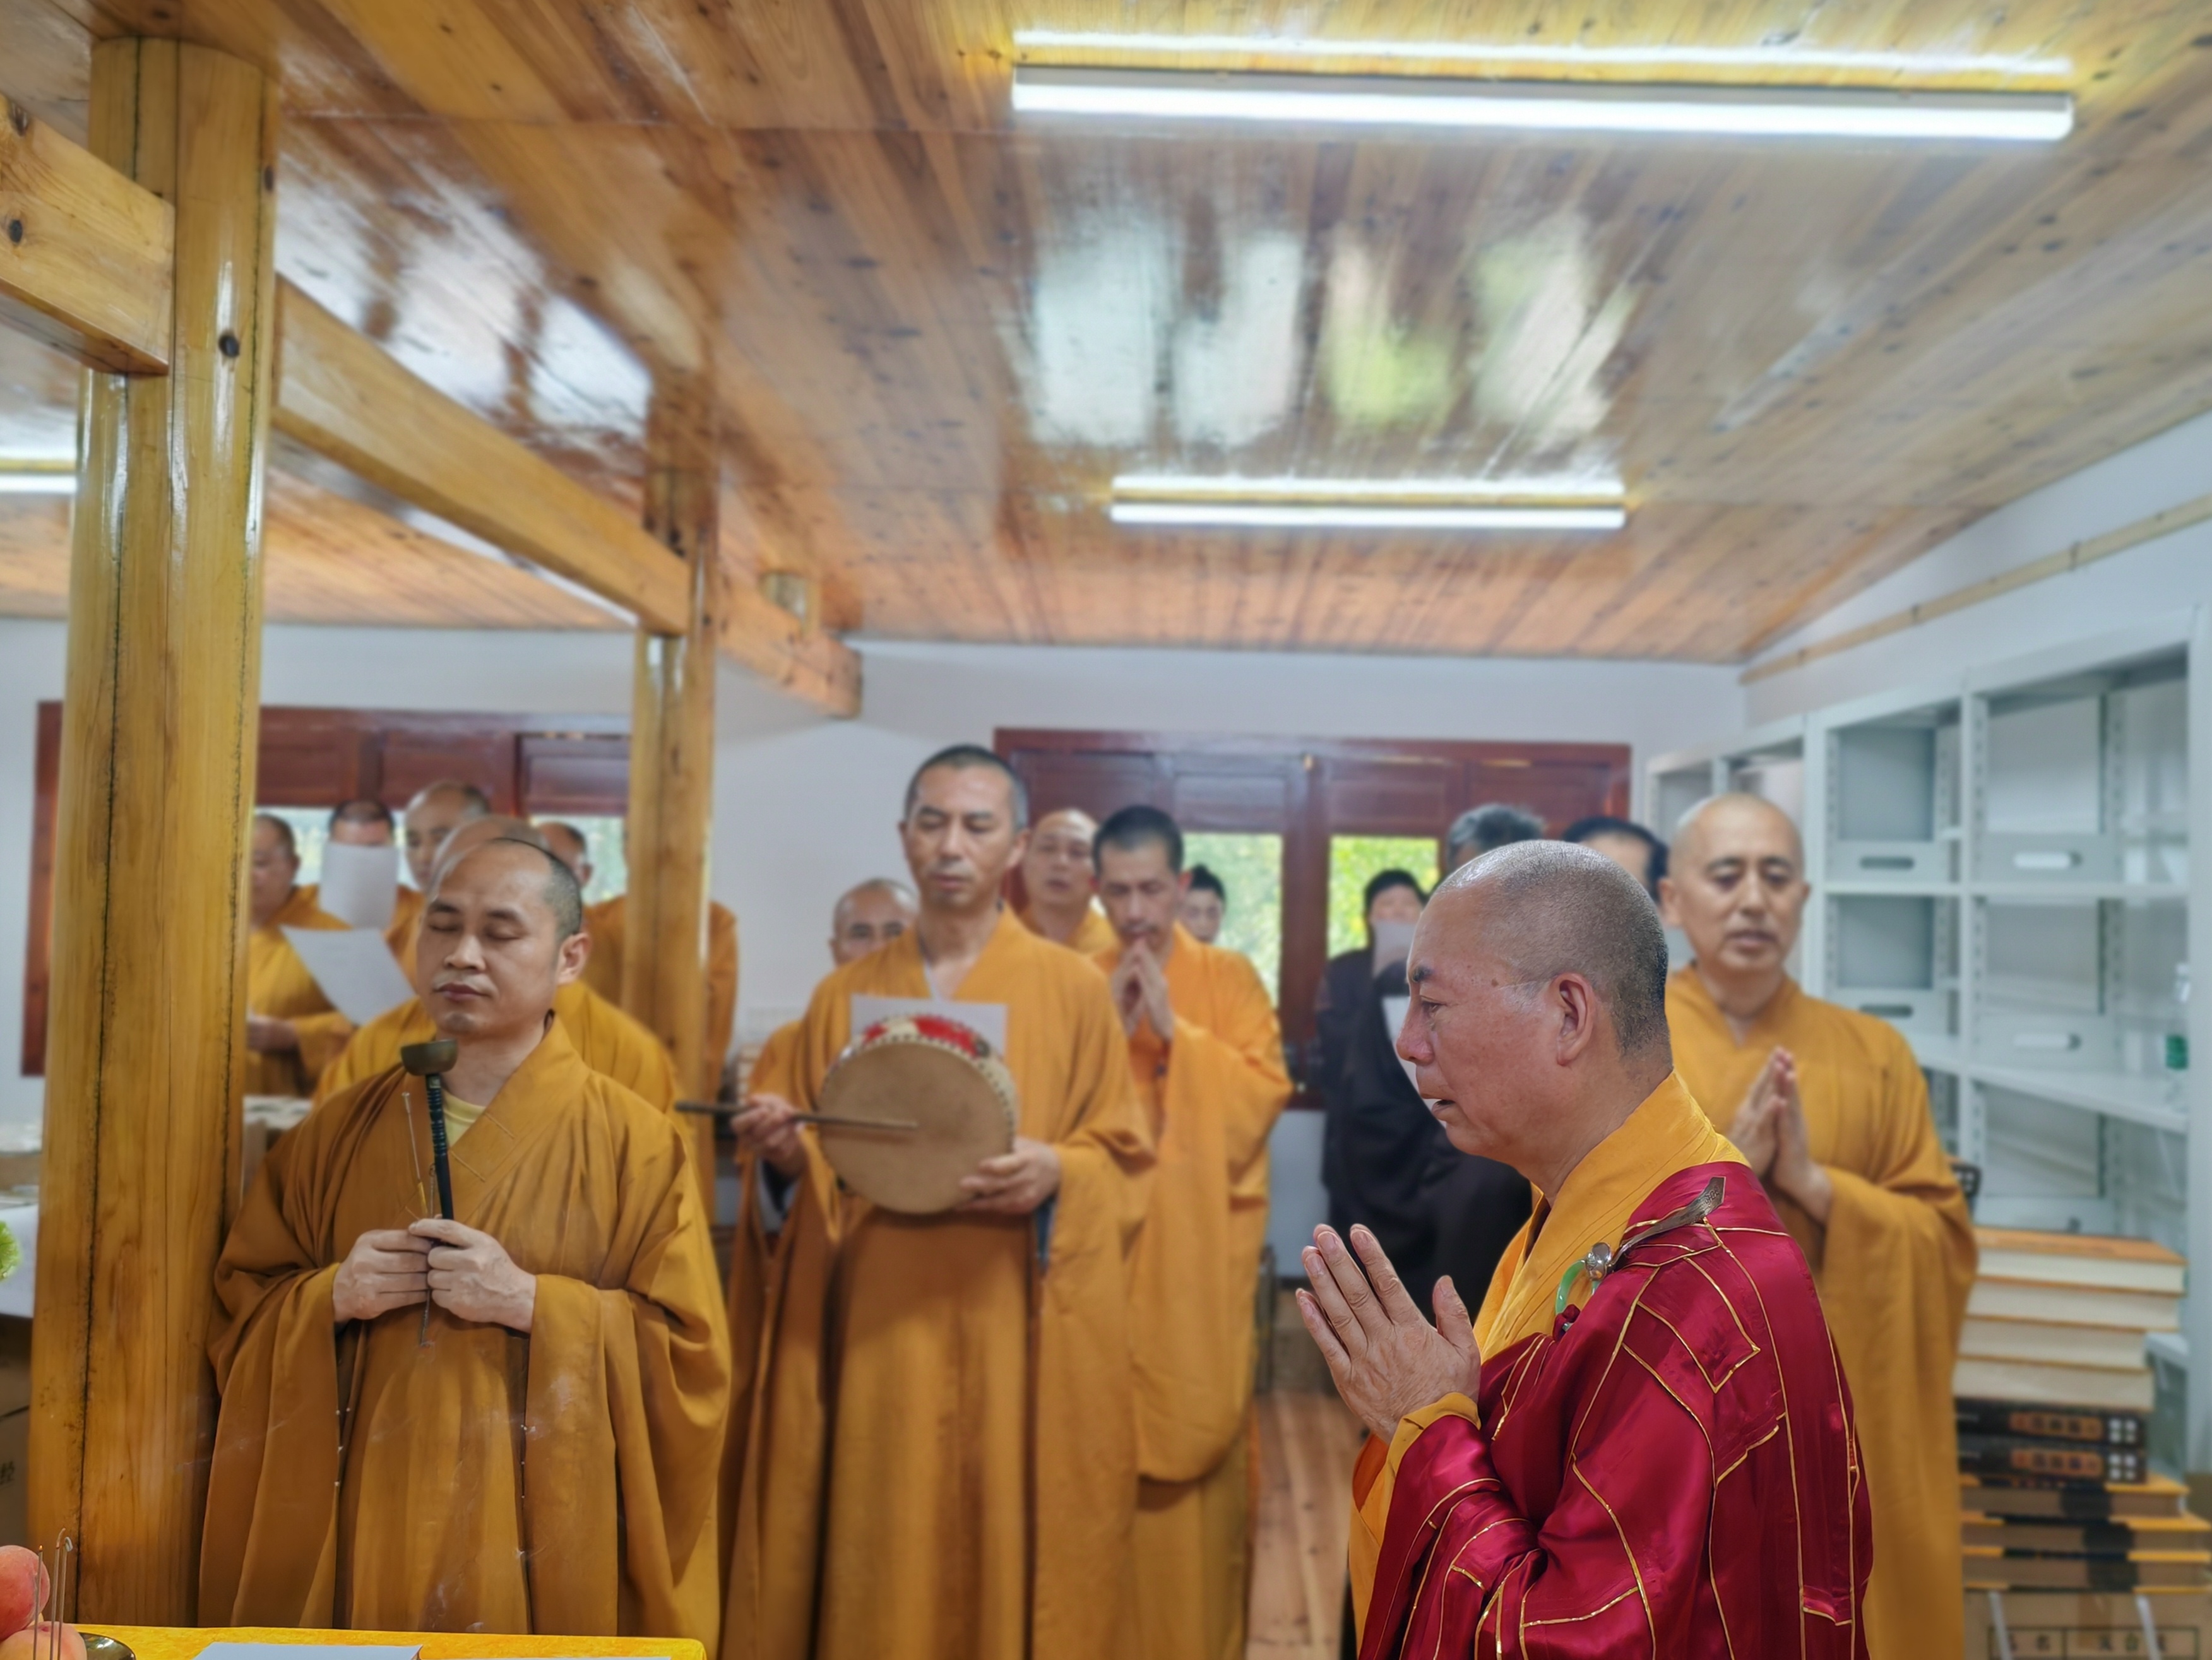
(2001, 868)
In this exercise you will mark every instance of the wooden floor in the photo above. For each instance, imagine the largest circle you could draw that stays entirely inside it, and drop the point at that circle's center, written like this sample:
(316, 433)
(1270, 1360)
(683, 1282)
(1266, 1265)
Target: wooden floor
(1307, 1443)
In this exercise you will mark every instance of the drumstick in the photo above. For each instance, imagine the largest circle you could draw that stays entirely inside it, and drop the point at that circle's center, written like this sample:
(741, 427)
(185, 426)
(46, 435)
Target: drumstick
(833, 1121)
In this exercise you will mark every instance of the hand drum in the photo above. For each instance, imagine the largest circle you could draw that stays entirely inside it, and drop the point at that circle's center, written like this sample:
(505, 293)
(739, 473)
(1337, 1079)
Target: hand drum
(946, 1101)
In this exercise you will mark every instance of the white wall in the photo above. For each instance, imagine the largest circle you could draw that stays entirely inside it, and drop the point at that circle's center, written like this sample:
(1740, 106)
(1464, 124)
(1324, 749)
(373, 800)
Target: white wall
(2155, 579)
(805, 805)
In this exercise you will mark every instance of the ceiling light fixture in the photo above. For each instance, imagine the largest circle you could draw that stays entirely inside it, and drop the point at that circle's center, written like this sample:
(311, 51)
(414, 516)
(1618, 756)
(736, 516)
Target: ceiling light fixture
(1793, 55)
(37, 480)
(1542, 105)
(1365, 504)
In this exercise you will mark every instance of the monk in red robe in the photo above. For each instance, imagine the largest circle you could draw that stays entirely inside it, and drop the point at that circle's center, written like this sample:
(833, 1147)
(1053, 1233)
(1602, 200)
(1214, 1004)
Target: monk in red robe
(1644, 1444)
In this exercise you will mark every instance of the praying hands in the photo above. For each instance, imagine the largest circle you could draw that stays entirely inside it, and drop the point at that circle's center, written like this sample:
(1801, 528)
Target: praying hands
(1386, 1360)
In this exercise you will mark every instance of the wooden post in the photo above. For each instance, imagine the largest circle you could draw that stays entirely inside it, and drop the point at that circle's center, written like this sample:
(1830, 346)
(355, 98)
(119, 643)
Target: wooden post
(163, 688)
(672, 757)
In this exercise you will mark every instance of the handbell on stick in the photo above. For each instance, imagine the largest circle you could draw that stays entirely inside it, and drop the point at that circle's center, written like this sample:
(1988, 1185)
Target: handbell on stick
(430, 1061)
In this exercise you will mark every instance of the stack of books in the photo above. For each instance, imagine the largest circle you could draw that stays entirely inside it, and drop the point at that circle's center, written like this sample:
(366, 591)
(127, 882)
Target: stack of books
(2054, 1390)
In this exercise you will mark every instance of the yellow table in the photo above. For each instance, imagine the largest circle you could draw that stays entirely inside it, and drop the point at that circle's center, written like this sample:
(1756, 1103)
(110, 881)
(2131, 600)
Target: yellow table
(183, 1642)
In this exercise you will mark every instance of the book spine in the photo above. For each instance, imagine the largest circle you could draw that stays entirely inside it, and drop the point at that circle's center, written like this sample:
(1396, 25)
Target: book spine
(2034, 1423)
(2051, 1460)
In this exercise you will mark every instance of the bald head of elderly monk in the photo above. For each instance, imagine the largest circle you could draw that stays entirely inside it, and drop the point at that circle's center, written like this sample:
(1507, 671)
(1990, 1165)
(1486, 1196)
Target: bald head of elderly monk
(1538, 1018)
(431, 817)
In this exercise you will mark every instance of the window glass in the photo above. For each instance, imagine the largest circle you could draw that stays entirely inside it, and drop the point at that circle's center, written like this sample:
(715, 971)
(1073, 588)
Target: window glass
(1352, 861)
(1251, 868)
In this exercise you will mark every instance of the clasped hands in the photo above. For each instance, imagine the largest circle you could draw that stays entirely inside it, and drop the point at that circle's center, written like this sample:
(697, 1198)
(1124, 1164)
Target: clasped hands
(1140, 986)
(465, 1272)
(1387, 1359)
(1012, 1184)
(1769, 1130)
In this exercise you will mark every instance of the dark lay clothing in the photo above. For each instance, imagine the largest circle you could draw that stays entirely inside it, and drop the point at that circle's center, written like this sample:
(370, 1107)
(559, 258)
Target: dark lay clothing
(1386, 1163)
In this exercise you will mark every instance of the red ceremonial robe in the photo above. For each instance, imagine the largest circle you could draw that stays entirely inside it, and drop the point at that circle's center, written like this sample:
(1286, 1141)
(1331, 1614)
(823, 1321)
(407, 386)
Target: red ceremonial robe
(1670, 1470)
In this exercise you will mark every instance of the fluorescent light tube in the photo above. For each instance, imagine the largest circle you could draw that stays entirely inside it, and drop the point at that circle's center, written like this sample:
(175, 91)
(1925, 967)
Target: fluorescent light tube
(1793, 57)
(37, 482)
(1376, 515)
(1542, 105)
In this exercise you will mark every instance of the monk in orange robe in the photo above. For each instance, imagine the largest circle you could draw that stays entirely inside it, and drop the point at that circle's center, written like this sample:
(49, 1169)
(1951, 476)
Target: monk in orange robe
(1060, 885)
(604, 922)
(292, 1033)
(1831, 1109)
(874, 914)
(1644, 1444)
(942, 1457)
(385, 1374)
(1205, 1053)
(432, 815)
(610, 1041)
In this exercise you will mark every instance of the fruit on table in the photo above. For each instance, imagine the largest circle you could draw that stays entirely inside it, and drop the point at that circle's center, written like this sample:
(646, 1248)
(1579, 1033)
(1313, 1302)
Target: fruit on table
(60, 1642)
(22, 1578)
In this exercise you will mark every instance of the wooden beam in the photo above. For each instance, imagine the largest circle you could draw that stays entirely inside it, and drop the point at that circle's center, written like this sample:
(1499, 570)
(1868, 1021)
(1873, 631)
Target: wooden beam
(787, 651)
(344, 396)
(2071, 557)
(162, 685)
(85, 252)
(672, 758)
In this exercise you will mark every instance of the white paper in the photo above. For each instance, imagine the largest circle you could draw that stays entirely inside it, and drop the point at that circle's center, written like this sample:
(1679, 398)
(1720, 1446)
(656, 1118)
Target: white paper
(987, 1019)
(361, 886)
(1393, 943)
(353, 967)
(1393, 1013)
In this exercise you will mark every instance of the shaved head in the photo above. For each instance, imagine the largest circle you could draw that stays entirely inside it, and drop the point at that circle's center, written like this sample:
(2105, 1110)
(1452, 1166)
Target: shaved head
(1719, 815)
(562, 894)
(870, 914)
(1545, 909)
(568, 845)
(1735, 886)
(431, 817)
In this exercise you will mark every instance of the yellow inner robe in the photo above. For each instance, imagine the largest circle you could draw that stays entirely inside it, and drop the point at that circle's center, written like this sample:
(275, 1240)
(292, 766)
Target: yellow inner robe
(561, 1481)
(1666, 1132)
(891, 1502)
(1093, 935)
(277, 984)
(606, 922)
(1212, 1095)
(1893, 1266)
(610, 1041)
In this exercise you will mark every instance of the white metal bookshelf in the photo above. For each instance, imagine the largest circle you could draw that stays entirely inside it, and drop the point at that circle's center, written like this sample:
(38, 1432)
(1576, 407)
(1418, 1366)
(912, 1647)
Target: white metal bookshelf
(2000, 860)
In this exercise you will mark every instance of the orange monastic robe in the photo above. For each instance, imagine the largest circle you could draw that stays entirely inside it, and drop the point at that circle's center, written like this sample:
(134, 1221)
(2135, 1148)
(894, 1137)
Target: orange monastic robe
(277, 984)
(911, 1363)
(610, 1041)
(1212, 1094)
(603, 972)
(364, 1480)
(406, 922)
(1093, 934)
(1893, 1265)
(750, 1252)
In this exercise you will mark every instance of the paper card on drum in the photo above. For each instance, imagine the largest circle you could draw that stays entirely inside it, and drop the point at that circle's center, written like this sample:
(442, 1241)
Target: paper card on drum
(986, 1021)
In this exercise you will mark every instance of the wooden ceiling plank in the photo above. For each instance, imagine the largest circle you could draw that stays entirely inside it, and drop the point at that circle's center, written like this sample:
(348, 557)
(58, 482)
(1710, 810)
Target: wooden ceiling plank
(86, 254)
